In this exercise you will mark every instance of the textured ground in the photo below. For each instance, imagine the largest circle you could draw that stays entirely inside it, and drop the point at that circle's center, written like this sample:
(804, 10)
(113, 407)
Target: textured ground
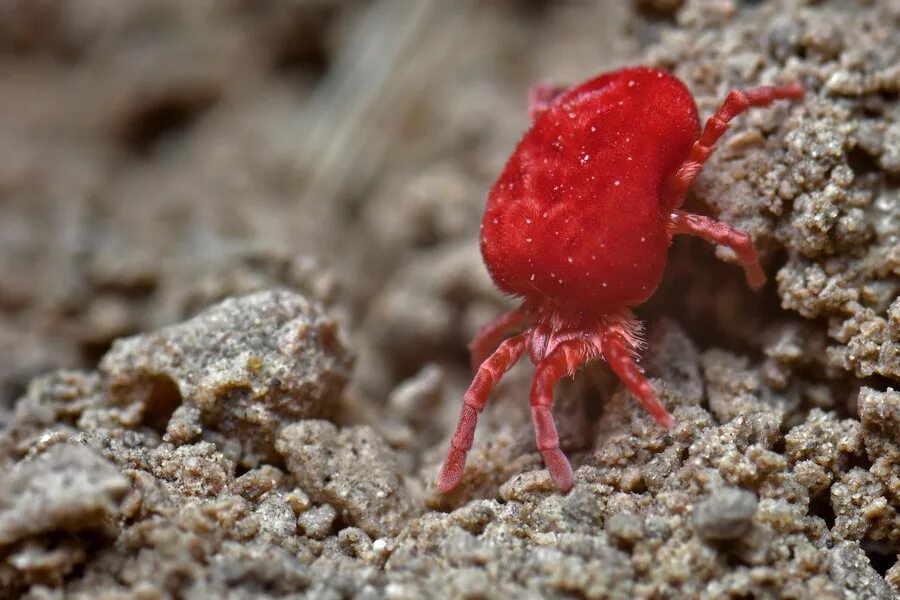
(279, 202)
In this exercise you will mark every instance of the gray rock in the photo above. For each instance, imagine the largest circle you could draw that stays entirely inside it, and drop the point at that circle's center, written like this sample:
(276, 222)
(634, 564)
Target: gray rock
(625, 528)
(318, 522)
(727, 514)
(276, 516)
(851, 567)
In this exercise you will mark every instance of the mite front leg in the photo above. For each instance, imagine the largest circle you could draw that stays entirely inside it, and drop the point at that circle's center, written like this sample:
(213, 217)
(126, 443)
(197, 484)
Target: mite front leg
(540, 96)
(735, 103)
(565, 359)
(489, 373)
(618, 353)
(726, 235)
(490, 336)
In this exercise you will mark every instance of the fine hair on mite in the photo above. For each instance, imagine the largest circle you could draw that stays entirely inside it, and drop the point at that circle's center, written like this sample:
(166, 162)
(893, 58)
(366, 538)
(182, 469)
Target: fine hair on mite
(578, 226)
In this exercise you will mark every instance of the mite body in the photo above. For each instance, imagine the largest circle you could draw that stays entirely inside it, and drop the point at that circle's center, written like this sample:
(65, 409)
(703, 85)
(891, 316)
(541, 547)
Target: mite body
(579, 225)
(588, 183)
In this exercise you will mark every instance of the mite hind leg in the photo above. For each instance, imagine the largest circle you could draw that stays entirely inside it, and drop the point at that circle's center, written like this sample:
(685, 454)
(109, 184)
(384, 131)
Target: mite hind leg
(489, 373)
(618, 351)
(489, 337)
(565, 359)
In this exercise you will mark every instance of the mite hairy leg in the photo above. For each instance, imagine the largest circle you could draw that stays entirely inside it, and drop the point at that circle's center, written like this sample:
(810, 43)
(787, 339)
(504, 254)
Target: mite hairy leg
(489, 373)
(717, 232)
(735, 103)
(618, 353)
(564, 359)
(489, 337)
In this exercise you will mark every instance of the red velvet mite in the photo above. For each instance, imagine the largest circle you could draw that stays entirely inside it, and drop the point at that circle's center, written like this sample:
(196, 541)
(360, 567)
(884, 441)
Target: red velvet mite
(579, 226)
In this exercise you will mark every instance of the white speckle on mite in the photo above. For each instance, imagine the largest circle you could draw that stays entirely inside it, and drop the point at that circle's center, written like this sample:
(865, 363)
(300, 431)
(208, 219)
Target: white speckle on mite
(494, 221)
(643, 239)
(528, 240)
(604, 284)
(593, 128)
(585, 158)
(532, 276)
(593, 257)
(570, 259)
(629, 158)
(616, 182)
(528, 221)
(572, 115)
(631, 83)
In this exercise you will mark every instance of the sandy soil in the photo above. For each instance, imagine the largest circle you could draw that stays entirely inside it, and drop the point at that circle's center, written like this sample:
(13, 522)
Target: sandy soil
(240, 269)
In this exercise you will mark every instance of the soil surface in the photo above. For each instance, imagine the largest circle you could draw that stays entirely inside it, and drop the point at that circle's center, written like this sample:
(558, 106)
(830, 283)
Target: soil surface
(240, 268)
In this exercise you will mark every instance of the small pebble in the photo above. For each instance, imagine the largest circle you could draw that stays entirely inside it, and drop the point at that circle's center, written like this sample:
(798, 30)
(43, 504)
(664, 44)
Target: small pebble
(726, 515)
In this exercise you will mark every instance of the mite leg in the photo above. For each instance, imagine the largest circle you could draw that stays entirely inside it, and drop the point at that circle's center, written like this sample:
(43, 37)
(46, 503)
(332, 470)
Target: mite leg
(618, 353)
(565, 359)
(490, 336)
(735, 103)
(489, 373)
(540, 96)
(717, 232)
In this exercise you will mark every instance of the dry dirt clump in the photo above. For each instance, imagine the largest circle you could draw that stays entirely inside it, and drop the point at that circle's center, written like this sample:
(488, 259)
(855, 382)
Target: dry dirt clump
(817, 183)
(66, 488)
(134, 469)
(243, 370)
(100, 501)
(353, 469)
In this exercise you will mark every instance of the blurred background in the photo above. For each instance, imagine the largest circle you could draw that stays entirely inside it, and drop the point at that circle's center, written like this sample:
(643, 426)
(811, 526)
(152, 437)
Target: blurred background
(157, 155)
